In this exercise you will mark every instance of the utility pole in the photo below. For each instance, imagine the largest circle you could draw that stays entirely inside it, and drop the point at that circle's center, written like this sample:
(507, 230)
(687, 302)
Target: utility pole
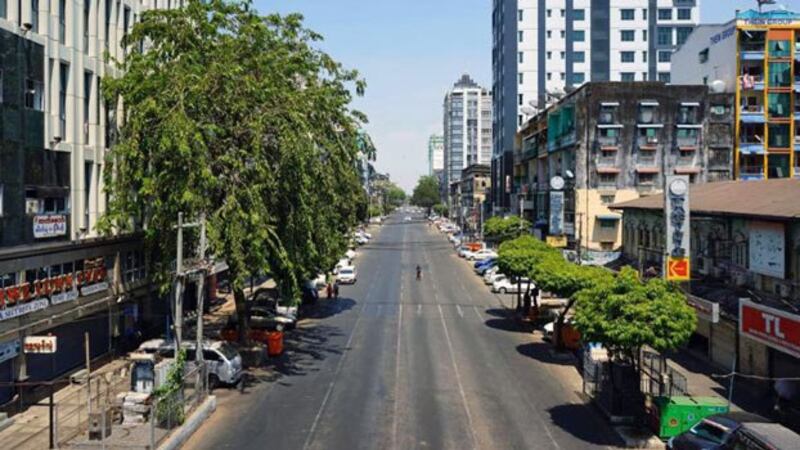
(200, 298)
(179, 287)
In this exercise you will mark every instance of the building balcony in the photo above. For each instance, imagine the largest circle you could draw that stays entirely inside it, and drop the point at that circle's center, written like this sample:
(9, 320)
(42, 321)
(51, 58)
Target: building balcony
(751, 148)
(752, 53)
(749, 173)
(752, 114)
(646, 160)
(751, 82)
(607, 161)
(687, 143)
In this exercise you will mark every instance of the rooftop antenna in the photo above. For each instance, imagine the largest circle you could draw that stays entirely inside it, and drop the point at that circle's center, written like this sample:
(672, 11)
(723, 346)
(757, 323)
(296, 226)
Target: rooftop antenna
(761, 3)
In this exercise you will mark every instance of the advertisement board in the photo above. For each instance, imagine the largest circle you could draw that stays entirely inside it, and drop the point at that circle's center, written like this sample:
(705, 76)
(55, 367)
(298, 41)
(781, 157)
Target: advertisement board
(772, 327)
(48, 226)
(767, 249)
(676, 214)
(39, 344)
(556, 213)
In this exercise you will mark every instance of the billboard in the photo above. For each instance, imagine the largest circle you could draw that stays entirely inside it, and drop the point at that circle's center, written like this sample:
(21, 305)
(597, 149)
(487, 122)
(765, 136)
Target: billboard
(556, 213)
(49, 226)
(676, 214)
(767, 249)
(772, 327)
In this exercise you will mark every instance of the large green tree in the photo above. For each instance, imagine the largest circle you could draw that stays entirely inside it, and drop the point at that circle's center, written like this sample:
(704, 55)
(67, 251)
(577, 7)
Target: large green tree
(426, 193)
(501, 229)
(239, 117)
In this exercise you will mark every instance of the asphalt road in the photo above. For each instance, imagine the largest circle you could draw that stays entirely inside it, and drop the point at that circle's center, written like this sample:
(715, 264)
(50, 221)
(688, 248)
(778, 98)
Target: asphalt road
(398, 363)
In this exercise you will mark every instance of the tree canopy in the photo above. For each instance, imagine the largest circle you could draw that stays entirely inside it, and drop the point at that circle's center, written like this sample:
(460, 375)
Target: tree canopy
(501, 229)
(239, 117)
(426, 193)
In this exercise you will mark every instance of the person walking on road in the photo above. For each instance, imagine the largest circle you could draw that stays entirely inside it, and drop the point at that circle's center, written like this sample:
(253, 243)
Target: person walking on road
(336, 290)
(419, 273)
(329, 290)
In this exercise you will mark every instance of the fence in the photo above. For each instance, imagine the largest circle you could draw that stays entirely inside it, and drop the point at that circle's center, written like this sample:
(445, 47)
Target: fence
(659, 379)
(161, 417)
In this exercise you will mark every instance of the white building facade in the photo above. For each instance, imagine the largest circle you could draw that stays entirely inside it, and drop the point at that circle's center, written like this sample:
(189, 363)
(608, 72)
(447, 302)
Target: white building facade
(708, 56)
(467, 128)
(435, 154)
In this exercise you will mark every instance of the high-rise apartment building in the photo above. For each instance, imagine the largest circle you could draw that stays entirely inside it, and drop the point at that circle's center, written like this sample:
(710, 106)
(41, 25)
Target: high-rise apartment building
(542, 48)
(435, 154)
(467, 128)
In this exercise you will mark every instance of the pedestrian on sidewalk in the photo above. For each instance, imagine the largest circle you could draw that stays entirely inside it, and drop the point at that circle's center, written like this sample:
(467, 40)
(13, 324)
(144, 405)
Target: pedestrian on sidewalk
(329, 290)
(336, 290)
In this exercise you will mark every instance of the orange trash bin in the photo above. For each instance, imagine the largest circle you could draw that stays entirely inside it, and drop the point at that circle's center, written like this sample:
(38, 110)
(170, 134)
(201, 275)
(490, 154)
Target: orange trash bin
(275, 343)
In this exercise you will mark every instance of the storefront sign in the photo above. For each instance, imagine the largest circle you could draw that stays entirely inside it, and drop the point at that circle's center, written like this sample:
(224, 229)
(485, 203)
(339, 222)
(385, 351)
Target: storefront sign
(556, 213)
(39, 344)
(64, 297)
(705, 309)
(676, 213)
(94, 288)
(9, 350)
(557, 241)
(772, 327)
(719, 37)
(9, 312)
(49, 226)
(767, 249)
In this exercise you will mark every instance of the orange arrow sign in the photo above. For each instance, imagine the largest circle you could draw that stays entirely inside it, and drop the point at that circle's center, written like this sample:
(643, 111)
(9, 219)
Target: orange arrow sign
(678, 269)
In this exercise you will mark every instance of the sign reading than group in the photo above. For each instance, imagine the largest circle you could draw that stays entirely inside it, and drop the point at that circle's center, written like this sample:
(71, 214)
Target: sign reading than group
(39, 344)
(772, 327)
(676, 214)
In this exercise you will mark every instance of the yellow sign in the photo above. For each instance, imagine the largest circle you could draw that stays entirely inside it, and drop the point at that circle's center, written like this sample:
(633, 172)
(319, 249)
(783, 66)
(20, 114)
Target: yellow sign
(557, 241)
(678, 269)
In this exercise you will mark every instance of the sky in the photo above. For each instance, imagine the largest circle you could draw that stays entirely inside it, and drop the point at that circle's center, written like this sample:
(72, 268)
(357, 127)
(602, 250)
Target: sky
(411, 52)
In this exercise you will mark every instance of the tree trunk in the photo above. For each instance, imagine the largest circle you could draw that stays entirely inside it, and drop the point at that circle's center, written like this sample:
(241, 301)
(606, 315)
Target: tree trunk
(241, 314)
(560, 323)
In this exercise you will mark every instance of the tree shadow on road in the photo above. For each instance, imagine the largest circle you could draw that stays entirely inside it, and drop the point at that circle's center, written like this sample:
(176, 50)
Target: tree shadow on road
(328, 308)
(544, 352)
(583, 422)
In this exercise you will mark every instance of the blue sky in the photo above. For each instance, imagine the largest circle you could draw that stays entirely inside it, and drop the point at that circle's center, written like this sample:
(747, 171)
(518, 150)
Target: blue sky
(411, 52)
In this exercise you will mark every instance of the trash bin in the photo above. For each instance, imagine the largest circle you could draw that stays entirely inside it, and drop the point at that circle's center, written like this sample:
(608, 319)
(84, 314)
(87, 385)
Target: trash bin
(275, 343)
(671, 416)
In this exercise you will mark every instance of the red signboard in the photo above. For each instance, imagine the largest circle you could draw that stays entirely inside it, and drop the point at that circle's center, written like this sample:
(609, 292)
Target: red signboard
(25, 292)
(678, 269)
(772, 327)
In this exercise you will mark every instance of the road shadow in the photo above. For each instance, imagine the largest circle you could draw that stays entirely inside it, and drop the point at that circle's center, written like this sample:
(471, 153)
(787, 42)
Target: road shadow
(304, 350)
(544, 352)
(508, 324)
(582, 422)
(326, 307)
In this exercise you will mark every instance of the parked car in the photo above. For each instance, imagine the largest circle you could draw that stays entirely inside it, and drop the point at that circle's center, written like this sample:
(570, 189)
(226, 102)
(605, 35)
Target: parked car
(715, 432)
(492, 275)
(483, 269)
(484, 262)
(480, 255)
(346, 275)
(223, 361)
(764, 436)
(350, 254)
(321, 280)
(506, 286)
(344, 262)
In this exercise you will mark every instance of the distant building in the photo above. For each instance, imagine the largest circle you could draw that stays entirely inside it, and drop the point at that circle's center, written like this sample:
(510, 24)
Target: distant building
(744, 245)
(542, 49)
(435, 154)
(763, 46)
(610, 142)
(473, 189)
(467, 128)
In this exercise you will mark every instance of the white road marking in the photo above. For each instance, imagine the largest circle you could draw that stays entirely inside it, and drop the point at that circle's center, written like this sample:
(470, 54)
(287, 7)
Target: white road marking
(480, 317)
(458, 379)
(460, 312)
(397, 378)
(419, 309)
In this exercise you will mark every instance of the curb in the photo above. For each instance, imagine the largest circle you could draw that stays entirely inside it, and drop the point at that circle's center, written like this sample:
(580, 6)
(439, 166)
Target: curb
(192, 424)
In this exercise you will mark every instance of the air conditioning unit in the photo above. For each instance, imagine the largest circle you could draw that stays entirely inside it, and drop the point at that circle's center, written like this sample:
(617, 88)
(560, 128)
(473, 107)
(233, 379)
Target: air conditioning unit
(784, 290)
(32, 206)
(652, 139)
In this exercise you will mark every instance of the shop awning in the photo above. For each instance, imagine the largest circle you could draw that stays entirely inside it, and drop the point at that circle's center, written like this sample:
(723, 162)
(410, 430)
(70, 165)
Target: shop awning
(609, 216)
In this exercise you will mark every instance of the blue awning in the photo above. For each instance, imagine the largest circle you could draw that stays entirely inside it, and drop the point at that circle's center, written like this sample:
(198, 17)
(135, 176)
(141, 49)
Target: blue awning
(609, 216)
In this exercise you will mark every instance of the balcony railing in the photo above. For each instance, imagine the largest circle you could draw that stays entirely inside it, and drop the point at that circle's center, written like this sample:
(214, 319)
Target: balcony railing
(687, 141)
(646, 160)
(608, 141)
(607, 161)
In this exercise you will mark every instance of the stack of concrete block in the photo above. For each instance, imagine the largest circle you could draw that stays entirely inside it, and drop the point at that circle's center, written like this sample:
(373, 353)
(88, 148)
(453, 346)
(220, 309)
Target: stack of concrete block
(135, 407)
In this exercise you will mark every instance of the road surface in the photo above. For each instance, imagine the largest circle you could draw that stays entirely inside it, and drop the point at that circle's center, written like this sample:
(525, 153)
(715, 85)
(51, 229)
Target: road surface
(398, 363)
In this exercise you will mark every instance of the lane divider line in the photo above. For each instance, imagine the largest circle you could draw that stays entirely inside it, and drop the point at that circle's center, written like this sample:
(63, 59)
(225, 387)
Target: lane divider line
(458, 379)
(397, 379)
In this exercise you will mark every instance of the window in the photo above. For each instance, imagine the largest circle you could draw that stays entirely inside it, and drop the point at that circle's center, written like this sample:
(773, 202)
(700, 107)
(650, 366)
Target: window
(549, 55)
(778, 136)
(3, 9)
(664, 77)
(608, 115)
(780, 75)
(647, 178)
(664, 13)
(608, 224)
(62, 98)
(607, 199)
(644, 13)
(578, 78)
(34, 15)
(578, 35)
(644, 56)
(549, 34)
(563, 55)
(664, 56)
(777, 166)
(520, 78)
(703, 56)
(664, 36)
(520, 100)
(608, 179)
(549, 76)
(644, 76)
(62, 21)
(1, 200)
(647, 114)
(578, 57)
(87, 97)
(563, 13)
(1, 86)
(520, 57)
(779, 104)
(683, 34)
(563, 76)
(520, 35)
(563, 34)
(626, 14)
(549, 13)
(109, 4)
(34, 95)
(627, 57)
(87, 189)
(626, 35)
(627, 76)
(579, 14)
(520, 14)
(126, 23)
(779, 49)
(684, 14)
(687, 114)
(644, 35)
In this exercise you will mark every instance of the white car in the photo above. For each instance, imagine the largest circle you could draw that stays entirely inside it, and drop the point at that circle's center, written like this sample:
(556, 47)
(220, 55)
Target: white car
(505, 286)
(407, 219)
(344, 262)
(480, 255)
(346, 275)
(361, 240)
(492, 277)
(320, 281)
(350, 254)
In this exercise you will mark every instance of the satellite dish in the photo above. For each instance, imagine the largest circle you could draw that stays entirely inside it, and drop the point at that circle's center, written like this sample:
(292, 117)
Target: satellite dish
(556, 183)
(569, 174)
(717, 86)
(528, 111)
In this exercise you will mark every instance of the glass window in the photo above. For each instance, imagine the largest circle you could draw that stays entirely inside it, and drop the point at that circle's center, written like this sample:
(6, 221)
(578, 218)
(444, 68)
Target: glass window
(520, 78)
(3, 9)
(520, 57)
(549, 13)
(34, 15)
(626, 35)
(664, 77)
(664, 36)
(779, 49)
(778, 135)
(778, 166)
(644, 56)
(578, 57)
(578, 35)
(683, 34)
(549, 55)
(578, 77)
(520, 14)
(779, 104)
(519, 36)
(627, 76)
(608, 115)
(687, 114)
(626, 14)
(684, 14)
(664, 13)
(34, 93)
(664, 56)
(579, 14)
(703, 56)
(644, 35)
(780, 75)
(608, 224)
(563, 34)
(627, 57)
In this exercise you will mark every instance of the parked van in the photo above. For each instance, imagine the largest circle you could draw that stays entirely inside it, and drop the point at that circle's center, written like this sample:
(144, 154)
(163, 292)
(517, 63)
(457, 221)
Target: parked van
(223, 361)
(764, 436)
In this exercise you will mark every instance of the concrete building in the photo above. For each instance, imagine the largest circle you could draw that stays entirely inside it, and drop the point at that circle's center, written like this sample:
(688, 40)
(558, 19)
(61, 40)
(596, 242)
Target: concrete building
(609, 142)
(754, 57)
(55, 268)
(543, 48)
(467, 128)
(474, 186)
(435, 154)
(744, 245)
